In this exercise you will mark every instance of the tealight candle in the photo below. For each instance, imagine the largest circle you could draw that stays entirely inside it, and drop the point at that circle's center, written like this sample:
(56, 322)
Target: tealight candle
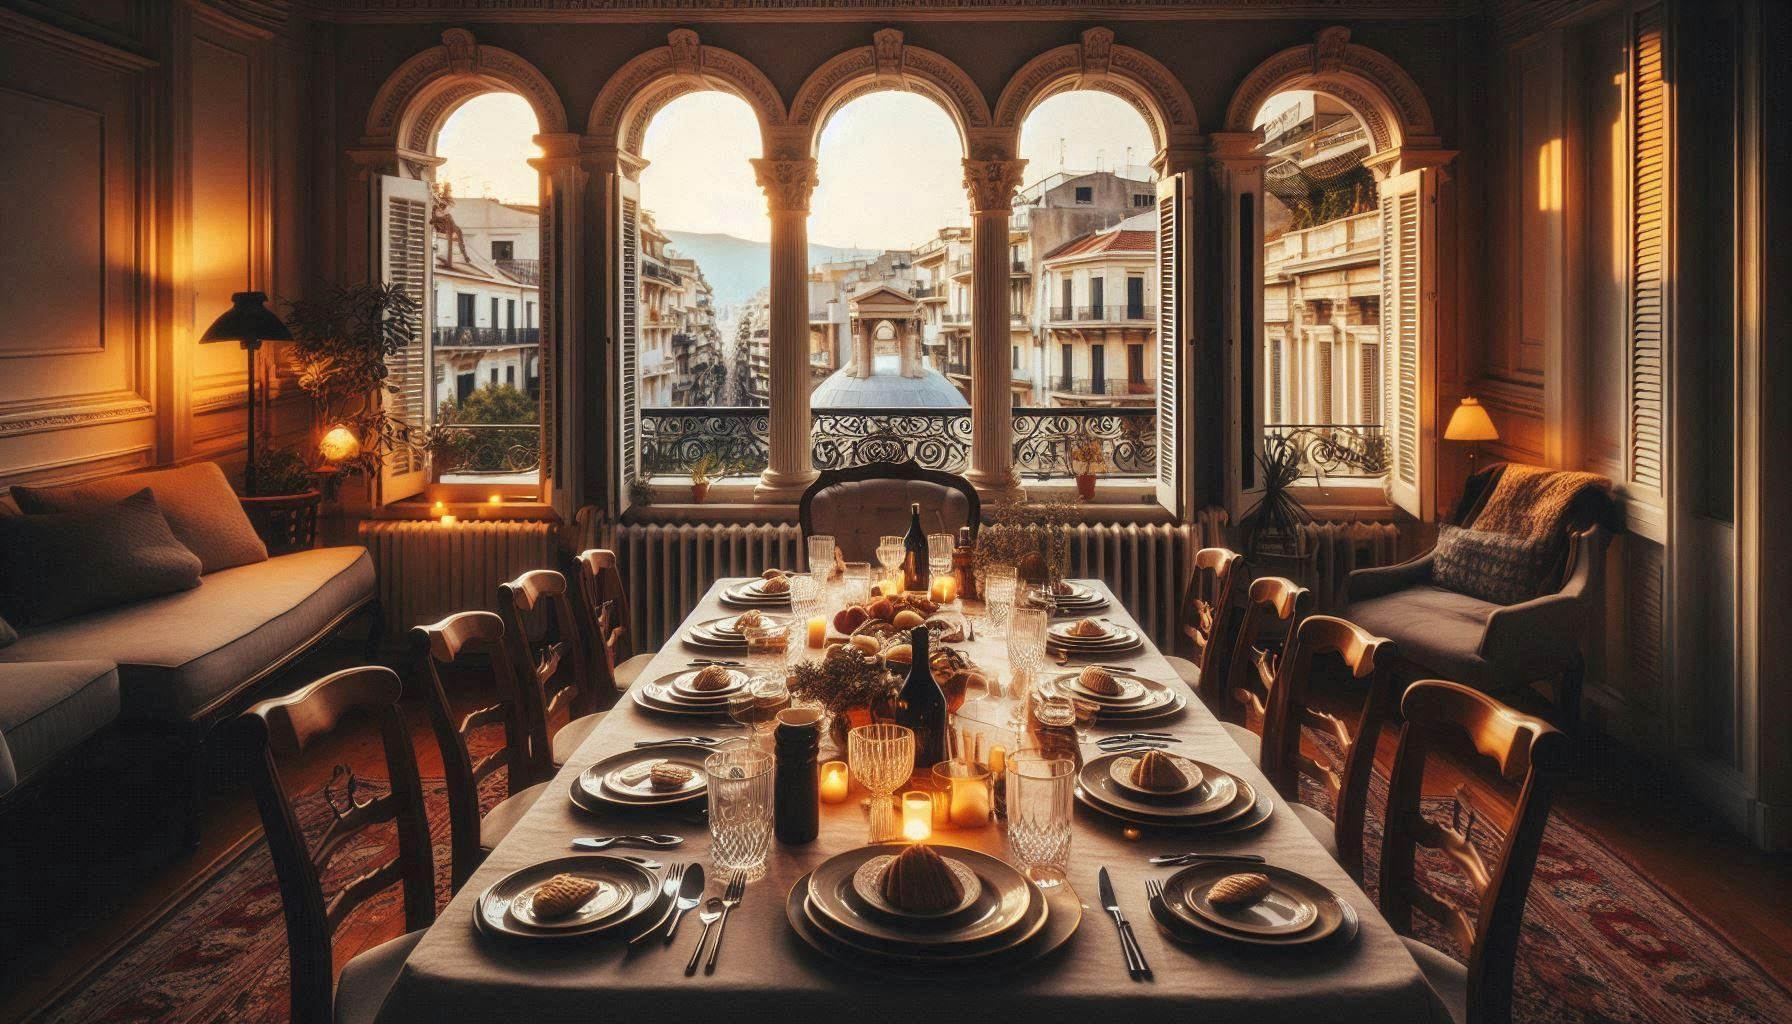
(917, 815)
(818, 632)
(966, 789)
(945, 590)
(448, 520)
(440, 507)
(496, 499)
(833, 782)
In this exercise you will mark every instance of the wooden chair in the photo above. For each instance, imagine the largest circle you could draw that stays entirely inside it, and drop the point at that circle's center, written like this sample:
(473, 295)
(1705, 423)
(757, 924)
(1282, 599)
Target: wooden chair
(287, 726)
(1205, 621)
(1525, 748)
(456, 641)
(1370, 660)
(858, 504)
(1273, 608)
(604, 615)
(556, 673)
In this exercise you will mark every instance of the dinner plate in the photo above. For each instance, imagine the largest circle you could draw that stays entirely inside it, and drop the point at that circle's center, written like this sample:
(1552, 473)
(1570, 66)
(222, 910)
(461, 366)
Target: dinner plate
(1060, 913)
(1121, 768)
(1184, 930)
(493, 912)
(1220, 793)
(1002, 901)
(1161, 700)
(866, 883)
(751, 594)
(606, 901)
(681, 686)
(1250, 818)
(592, 788)
(1132, 690)
(658, 696)
(1112, 633)
(1297, 911)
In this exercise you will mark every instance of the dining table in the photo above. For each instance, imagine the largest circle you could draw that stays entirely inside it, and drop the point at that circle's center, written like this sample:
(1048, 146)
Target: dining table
(767, 974)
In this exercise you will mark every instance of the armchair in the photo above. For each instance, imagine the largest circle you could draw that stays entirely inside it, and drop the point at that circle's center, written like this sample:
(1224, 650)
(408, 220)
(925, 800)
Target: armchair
(1492, 647)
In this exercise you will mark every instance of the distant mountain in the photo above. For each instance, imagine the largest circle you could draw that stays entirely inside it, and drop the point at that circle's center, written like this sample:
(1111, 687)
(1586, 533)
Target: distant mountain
(736, 268)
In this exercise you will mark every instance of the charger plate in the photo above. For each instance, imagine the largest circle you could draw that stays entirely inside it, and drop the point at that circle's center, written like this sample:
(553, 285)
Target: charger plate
(1252, 817)
(1002, 903)
(1298, 911)
(591, 790)
(1221, 793)
(493, 915)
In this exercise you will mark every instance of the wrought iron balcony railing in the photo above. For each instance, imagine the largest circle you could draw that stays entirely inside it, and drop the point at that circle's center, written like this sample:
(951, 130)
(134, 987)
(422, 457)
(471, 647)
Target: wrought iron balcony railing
(493, 449)
(486, 337)
(522, 271)
(673, 439)
(1333, 450)
(1102, 386)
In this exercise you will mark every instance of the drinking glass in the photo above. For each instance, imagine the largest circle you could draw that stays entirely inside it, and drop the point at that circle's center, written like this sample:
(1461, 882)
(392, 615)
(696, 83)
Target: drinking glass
(1026, 648)
(856, 583)
(998, 596)
(740, 809)
(768, 647)
(881, 757)
(939, 553)
(1038, 804)
(757, 704)
(821, 555)
(1054, 728)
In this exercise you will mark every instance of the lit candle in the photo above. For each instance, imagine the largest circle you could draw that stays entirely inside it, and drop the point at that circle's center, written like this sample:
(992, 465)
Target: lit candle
(970, 802)
(945, 590)
(440, 508)
(998, 760)
(818, 632)
(448, 520)
(917, 815)
(833, 782)
(496, 499)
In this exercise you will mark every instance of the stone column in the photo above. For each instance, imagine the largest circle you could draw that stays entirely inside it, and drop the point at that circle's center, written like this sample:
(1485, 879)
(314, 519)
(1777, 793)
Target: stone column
(789, 468)
(991, 184)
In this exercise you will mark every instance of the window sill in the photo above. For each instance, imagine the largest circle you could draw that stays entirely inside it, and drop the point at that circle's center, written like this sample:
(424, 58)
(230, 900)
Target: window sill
(466, 511)
(731, 500)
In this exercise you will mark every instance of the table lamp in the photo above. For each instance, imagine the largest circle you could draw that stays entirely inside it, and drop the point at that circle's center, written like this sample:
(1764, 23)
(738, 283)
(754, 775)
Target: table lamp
(1471, 423)
(249, 322)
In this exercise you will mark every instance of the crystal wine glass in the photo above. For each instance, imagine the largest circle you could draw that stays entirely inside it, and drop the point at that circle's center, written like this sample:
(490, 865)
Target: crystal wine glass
(939, 553)
(998, 591)
(1026, 648)
(881, 757)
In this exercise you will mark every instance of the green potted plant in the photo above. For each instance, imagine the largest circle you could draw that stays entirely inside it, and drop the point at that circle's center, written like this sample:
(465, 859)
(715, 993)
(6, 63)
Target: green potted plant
(283, 508)
(707, 465)
(1272, 525)
(1087, 461)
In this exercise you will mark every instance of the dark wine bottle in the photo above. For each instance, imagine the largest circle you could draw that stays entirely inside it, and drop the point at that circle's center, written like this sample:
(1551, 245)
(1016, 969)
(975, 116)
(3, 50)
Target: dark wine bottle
(914, 553)
(921, 706)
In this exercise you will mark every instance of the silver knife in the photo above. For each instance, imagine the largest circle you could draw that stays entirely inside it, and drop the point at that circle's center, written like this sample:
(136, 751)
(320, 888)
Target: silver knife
(1136, 967)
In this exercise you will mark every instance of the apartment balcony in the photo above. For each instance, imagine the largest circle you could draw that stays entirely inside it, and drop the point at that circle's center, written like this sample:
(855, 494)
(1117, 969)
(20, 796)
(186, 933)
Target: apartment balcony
(1331, 451)
(527, 272)
(1121, 314)
(494, 452)
(955, 319)
(928, 291)
(1102, 387)
(1019, 268)
(1347, 241)
(485, 337)
(660, 272)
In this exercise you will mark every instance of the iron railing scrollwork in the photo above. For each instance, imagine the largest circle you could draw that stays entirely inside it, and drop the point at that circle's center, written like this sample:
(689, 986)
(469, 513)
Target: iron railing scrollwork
(497, 448)
(1333, 449)
(673, 440)
(1043, 438)
(936, 440)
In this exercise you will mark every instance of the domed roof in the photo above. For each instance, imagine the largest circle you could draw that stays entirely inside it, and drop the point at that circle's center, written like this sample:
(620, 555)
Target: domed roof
(887, 388)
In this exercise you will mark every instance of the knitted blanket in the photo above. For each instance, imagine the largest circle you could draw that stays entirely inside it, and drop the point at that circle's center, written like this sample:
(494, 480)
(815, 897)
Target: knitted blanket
(1530, 501)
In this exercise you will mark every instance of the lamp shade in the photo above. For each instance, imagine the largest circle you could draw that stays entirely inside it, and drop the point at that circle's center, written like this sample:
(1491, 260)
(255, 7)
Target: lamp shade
(1470, 422)
(249, 321)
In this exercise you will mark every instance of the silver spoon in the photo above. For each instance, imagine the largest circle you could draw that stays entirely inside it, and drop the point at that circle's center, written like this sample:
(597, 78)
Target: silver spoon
(690, 893)
(605, 842)
(709, 915)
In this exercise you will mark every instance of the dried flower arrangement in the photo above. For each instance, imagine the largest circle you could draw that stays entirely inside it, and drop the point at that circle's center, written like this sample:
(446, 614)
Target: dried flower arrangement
(842, 680)
(1021, 531)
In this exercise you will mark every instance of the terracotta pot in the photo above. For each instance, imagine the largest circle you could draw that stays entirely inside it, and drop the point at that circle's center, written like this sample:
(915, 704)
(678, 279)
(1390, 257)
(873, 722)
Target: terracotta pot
(699, 492)
(1085, 486)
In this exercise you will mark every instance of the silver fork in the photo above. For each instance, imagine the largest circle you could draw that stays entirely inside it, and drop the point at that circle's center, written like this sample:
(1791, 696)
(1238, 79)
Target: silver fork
(731, 897)
(1154, 890)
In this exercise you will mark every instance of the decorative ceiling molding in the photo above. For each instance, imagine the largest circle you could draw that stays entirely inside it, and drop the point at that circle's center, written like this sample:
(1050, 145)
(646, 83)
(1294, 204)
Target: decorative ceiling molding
(685, 11)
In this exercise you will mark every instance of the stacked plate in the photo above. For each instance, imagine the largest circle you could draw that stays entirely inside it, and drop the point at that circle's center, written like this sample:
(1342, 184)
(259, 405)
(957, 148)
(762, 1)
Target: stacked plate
(625, 892)
(1296, 912)
(724, 634)
(1220, 803)
(1106, 638)
(1002, 920)
(1140, 699)
(625, 779)
(753, 594)
(1077, 599)
(674, 694)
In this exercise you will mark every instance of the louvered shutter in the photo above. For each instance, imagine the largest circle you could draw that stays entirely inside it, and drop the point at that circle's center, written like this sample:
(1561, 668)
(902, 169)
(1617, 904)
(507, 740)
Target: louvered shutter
(1370, 412)
(406, 259)
(628, 337)
(1408, 317)
(1275, 380)
(1325, 352)
(1245, 359)
(1171, 215)
(1648, 250)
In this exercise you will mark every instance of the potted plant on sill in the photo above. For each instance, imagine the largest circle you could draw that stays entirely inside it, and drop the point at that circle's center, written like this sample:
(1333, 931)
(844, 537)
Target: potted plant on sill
(1272, 526)
(1087, 461)
(707, 465)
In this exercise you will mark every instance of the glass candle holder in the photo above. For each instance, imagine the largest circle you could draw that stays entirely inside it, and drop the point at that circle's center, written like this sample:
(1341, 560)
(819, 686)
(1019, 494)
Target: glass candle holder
(966, 788)
(917, 815)
(834, 782)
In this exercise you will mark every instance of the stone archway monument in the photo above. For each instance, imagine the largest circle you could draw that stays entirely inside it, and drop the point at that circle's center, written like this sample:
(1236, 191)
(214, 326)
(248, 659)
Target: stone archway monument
(871, 307)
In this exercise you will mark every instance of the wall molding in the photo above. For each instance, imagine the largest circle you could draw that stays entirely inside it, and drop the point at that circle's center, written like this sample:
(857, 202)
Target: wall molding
(572, 11)
(82, 468)
(40, 415)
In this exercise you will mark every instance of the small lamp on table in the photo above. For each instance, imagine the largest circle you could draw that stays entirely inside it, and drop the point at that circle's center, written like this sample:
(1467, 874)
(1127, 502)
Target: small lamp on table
(1470, 422)
(250, 322)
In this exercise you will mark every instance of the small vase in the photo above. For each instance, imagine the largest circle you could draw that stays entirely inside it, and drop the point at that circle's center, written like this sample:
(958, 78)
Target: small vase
(699, 492)
(1085, 486)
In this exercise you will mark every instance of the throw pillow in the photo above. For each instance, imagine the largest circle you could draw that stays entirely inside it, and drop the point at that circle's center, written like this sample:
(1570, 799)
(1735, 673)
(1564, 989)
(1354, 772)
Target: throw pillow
(69, 563)
(1497, 567)
(202, 510)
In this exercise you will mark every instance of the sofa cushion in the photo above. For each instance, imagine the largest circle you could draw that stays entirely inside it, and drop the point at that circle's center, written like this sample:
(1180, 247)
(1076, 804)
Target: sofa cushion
(46, 707)
(857, 513)
(201, 508)
(1497, 567)
(182, 653)
(1437, 629)
(69, 563)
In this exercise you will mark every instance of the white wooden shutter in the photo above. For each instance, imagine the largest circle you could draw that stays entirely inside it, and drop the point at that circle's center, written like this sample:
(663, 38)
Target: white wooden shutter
(628, 336)
(406, 261)
(1648, 251)
(1171, 228)
(1408, 322)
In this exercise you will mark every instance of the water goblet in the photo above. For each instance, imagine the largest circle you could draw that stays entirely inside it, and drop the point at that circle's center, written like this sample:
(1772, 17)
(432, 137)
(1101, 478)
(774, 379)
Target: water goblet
(856, 583)
(1038, 806)
(998, 597)
(939, 553)
(740, 809)
(881, 757)
(821, 555)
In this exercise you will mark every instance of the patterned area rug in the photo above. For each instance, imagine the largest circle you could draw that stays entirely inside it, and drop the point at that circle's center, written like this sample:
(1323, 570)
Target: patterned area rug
(1601, 942)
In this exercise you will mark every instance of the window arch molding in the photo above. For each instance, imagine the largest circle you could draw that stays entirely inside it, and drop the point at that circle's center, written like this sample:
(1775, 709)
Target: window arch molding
(1392, 106)
(643, 86)
(888, 63)
(415, 100)
(1097, 62)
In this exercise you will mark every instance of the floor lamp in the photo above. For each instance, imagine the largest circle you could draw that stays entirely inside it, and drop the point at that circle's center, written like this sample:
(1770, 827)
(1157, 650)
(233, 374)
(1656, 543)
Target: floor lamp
(249, 322)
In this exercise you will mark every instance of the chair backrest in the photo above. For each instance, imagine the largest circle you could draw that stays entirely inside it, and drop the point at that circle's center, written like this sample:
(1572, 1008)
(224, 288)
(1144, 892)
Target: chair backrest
(604, 616)
(1205, 618)
(1528, 751)
(556, 671)
(457, 641)
(1370, 660)
(859, 504)
(1273, 609)
(285, 727)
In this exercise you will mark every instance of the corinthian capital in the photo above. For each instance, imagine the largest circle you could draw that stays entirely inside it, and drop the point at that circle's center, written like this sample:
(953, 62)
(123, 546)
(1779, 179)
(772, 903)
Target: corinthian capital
(991, 184)
(787, 183)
